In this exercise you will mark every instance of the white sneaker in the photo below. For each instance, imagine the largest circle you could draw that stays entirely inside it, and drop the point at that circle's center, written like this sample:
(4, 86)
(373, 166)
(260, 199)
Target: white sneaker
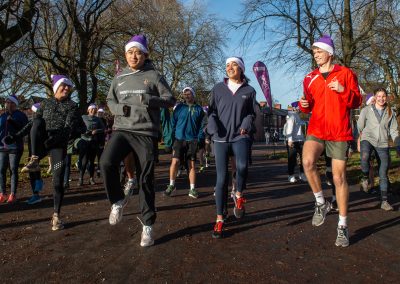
(303, 177)
(129, 187)
(291, 179)
(116, 212)
(147, 236)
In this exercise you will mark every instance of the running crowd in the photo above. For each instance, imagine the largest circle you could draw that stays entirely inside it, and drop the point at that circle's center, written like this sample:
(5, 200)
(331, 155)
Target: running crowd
(139, 98)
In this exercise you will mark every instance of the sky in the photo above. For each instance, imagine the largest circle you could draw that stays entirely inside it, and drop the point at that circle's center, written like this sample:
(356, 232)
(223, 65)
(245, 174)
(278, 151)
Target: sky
(285, 87)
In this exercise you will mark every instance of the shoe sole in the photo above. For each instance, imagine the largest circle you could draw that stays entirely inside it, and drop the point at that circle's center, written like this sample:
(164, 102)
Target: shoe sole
(239, 213)
(193, 196)
(342, 245)
(146, 245)
(37, 201)
(57, 228)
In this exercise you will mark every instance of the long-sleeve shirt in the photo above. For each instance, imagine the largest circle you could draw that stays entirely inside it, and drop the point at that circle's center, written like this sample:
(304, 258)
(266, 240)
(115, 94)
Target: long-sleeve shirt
(187, 122)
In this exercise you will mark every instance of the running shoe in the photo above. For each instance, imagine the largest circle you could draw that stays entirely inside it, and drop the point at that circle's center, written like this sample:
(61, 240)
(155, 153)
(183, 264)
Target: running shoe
(218, 228)
(91, 181)
(342, 239)
(11, 198)
(80, 182)
(320, 213)
(385, 205)
(3, 197)
(56, 223)
(292, 179)
(303, 177)
(169, 190)
(31, 166)
(193, 193)
(364, 185)
(129, 187)
(239, 209)
(98, 173)
(116, 212)
(147, 236)
(34, 199)
(201, 169)
(179, 173)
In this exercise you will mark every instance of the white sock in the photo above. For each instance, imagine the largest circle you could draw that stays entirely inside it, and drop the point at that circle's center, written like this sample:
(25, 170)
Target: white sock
(342, 221)
(192, 186)
(333, 198)
(319, 197)
(172, 182)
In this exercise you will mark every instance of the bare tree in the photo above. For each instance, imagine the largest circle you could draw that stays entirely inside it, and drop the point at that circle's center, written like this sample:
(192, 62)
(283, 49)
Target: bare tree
(15, 22)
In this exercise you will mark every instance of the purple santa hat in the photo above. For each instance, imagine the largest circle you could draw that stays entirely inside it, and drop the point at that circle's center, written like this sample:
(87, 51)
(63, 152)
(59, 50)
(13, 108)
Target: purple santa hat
(13, 98)
(189, 89)
(58, 79)
(238, 60)
(138, 41)
(368, 99)
(35, 107)
(295, 104)
(325, 43)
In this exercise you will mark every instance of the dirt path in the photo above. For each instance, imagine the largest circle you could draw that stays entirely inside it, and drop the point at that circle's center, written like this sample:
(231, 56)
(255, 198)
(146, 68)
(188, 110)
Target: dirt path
(275, 242)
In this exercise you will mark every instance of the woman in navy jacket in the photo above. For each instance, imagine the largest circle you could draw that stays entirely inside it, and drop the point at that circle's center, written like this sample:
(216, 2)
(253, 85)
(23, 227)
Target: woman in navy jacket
(231, 117)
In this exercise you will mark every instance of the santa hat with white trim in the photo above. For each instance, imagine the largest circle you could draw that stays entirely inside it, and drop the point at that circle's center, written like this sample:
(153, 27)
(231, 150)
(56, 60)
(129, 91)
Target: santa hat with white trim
(58, 79)
(325, 43)
(138, 41)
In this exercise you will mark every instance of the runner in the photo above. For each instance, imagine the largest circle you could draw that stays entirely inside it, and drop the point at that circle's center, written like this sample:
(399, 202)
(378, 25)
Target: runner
(11, 121)
(94, 131)
(59, 116)
(330, 92)
(375, 124)
(135, 97)
(230, 119)
(187, 124)
(294, 142)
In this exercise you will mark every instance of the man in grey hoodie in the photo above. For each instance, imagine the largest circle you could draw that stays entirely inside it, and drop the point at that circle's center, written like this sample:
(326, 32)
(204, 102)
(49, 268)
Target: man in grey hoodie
(135, 97)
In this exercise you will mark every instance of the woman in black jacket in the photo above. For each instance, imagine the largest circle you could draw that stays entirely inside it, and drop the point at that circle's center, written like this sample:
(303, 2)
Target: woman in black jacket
(59, 117)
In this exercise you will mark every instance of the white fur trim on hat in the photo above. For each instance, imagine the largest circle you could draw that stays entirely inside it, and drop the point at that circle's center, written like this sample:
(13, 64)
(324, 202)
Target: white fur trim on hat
(91, 106)
(190, 89)
(238, 61)
(131, 44)
(324, 46)
(100, 110)
(63, 80)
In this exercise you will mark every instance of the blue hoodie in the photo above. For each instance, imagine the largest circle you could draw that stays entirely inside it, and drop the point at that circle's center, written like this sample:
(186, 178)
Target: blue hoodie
(188, 122)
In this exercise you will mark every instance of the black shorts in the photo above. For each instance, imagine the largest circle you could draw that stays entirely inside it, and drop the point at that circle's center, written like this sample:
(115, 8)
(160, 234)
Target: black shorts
(186, 149)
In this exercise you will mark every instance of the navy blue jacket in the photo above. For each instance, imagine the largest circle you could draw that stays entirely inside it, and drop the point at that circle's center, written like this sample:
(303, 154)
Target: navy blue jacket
(228, 112)
(10, 124)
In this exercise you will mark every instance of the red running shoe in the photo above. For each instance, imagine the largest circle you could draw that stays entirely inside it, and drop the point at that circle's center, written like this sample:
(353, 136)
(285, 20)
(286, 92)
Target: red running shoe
(217, 233)
(239, 210)
(3, 197)
(11, 198)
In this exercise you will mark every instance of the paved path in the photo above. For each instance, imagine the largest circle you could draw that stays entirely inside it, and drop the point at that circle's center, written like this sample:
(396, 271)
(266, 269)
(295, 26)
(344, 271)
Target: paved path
(275, 242)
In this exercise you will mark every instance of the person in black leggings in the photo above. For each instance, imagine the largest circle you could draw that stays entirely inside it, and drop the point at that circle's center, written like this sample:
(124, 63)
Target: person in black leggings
(59, 116)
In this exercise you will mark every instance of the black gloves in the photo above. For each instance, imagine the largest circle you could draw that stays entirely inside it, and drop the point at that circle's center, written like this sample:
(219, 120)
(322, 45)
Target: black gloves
(127, 110)
(9, 139)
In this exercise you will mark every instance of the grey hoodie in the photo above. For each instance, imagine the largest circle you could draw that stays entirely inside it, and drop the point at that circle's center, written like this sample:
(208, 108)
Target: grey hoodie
(376, 129)
(145, 91)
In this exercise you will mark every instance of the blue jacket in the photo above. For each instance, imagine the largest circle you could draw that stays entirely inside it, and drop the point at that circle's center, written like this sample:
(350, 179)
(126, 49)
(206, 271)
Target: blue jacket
(11, 124)
(228, 112)
(188, 122)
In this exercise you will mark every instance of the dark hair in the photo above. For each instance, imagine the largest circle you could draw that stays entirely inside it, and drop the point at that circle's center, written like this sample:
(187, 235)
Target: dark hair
(386, 94)
(244, 77)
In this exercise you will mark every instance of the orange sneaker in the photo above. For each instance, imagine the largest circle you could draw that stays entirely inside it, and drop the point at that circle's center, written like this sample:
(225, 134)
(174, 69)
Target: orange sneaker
(3, 197)
(11, 198)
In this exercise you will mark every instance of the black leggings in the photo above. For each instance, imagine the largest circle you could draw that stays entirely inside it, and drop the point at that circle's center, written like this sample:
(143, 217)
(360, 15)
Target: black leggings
(57, 155)
(87, 157)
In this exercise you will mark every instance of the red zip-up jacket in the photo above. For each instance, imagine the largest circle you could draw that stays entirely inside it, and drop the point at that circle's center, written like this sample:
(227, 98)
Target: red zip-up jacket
(330, 110)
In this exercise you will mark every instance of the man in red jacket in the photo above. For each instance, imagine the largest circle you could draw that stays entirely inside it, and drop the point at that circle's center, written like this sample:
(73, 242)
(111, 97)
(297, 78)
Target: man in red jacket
(330, 92)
